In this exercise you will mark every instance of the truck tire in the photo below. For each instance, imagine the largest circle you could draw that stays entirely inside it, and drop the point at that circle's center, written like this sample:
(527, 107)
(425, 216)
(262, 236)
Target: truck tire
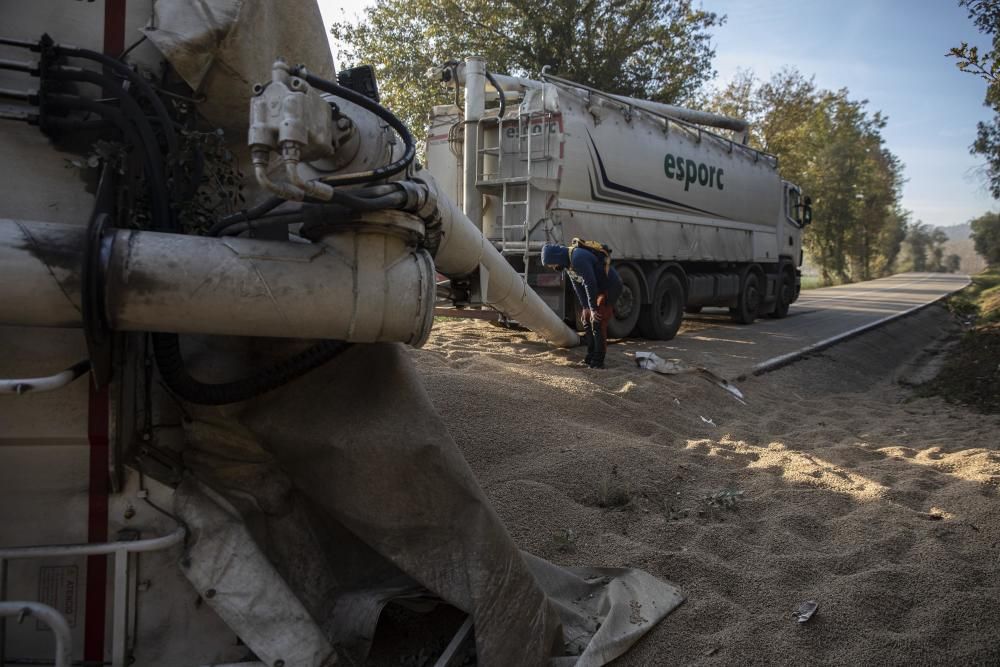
(748, 303)
(629, 304)
(661, 319)
(784, 293)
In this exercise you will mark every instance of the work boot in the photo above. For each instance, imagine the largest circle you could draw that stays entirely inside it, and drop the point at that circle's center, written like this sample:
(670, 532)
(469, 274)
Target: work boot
(588, 337)
(599, 349)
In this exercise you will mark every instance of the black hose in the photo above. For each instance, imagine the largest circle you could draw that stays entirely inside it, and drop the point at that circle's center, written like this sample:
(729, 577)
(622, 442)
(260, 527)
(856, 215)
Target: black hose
(238, 227)
(140, 83)
(243, 216)
(137, 134)
(160, 198)
(503, 98)
(166, 346)
(167, 351)
(370, 105)
(393, 200)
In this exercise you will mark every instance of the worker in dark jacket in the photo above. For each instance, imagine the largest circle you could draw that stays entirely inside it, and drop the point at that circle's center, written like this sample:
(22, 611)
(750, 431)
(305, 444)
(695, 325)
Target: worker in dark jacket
(597, 286)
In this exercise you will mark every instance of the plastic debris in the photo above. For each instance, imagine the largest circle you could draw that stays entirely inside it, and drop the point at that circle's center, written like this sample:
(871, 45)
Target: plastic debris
(805, 611)
(708, 421)
(651, 362)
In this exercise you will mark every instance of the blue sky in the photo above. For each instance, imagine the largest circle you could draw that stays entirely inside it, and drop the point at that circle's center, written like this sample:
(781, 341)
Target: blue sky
(890, 52)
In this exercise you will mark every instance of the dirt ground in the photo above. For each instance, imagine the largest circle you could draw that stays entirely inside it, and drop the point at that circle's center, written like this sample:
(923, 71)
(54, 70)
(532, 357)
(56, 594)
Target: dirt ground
(834, 482)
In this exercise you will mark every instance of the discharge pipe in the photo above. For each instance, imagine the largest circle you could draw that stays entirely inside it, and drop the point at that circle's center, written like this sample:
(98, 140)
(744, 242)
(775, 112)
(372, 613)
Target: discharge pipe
(463, 249)
(475, 106)
(513, 83)
(358, 286)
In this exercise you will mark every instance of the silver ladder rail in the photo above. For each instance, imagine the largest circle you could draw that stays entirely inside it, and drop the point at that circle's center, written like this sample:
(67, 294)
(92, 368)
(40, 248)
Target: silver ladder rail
(121, 551)
(525, 151)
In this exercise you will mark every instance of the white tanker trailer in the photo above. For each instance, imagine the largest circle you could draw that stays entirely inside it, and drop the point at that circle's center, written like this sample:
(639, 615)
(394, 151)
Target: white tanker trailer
(693, 218)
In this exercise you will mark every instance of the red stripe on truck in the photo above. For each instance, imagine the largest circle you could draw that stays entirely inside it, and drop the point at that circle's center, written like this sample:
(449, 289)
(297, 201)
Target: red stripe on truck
(97, 523)
(95, 605)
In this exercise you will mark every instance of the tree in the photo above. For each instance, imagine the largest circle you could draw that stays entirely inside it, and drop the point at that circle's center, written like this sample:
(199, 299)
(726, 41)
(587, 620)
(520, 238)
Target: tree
(985, 14)
(918, 241)
(832, 147)
(653, 49)
(986, 237)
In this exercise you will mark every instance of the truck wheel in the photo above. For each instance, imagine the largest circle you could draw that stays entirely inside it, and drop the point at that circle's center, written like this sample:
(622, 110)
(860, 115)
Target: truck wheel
(746, 309)
(785, 292)
(661, 319)
(628, 305)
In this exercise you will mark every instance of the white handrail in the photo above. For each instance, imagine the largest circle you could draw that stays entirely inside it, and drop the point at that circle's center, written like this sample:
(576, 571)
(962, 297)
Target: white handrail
(53, 619)
(133, 546)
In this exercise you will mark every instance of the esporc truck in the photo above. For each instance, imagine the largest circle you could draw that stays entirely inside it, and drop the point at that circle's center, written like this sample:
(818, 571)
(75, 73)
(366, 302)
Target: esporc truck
(693, 218)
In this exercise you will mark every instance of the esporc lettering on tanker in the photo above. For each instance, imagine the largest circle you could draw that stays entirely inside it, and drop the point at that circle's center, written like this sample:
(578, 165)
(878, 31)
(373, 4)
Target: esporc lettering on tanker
(692, 172)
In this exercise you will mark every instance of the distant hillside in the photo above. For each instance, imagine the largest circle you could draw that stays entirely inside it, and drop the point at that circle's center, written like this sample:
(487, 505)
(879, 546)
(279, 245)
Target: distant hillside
(957, 232)
(959, 243)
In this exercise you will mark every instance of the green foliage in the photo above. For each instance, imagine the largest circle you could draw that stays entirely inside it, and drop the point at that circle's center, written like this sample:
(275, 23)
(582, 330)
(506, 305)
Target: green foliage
(985, 14)
(654, 49)
(986, 237)
(924, 249)
(981, 299)
(833, 148)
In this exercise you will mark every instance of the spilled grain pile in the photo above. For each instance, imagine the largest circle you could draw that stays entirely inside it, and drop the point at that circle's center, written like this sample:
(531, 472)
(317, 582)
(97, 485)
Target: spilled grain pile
(833, 483)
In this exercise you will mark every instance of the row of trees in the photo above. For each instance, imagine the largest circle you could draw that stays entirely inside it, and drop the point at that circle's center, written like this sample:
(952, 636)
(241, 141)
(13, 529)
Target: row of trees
(653, 49)
(832, 146)
(924, 250)
(985, 14)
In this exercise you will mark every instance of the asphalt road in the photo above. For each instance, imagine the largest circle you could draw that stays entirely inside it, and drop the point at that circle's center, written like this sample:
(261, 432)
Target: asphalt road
(712, 340)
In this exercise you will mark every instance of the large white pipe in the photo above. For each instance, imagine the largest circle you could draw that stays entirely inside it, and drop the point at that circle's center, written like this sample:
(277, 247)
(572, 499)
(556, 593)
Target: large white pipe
(475, 106)
(708, 119)
(463, 249)
(40, 270)
(360, 287)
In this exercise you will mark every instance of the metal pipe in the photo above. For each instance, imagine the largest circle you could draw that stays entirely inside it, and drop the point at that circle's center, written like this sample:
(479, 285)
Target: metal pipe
(464, 249)
(367, 283)
(48, 383)
(41, 266)
(687, 115)
(52, 618)
(513, 83)
(475, 106)
(96, 549)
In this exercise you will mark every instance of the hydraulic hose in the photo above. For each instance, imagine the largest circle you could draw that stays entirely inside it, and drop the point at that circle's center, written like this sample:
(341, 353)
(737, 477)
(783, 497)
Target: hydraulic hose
(163, 219)
(141, 84)
(166, 349)
(238, 227)
(137, 135)
(374, 107)
(253, 213)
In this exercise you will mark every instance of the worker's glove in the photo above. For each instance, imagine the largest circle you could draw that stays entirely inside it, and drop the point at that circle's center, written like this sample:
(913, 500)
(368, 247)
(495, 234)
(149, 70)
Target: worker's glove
(587, 315)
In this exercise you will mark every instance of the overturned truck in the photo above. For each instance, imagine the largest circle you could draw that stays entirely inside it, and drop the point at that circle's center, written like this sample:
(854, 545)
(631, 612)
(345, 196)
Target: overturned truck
(693, 218)
(239, 464)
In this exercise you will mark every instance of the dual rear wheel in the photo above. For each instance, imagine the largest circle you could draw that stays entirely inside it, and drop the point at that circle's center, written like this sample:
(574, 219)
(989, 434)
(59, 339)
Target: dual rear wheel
(661, 318)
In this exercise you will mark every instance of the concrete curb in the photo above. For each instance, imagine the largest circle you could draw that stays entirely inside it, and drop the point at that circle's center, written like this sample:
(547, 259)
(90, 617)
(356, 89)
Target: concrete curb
(783, 360)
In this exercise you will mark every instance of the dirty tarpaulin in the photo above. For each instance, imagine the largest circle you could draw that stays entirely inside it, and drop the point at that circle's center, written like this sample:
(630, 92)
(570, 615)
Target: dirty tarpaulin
(349, 483)
(221, 48)
(313, 506)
